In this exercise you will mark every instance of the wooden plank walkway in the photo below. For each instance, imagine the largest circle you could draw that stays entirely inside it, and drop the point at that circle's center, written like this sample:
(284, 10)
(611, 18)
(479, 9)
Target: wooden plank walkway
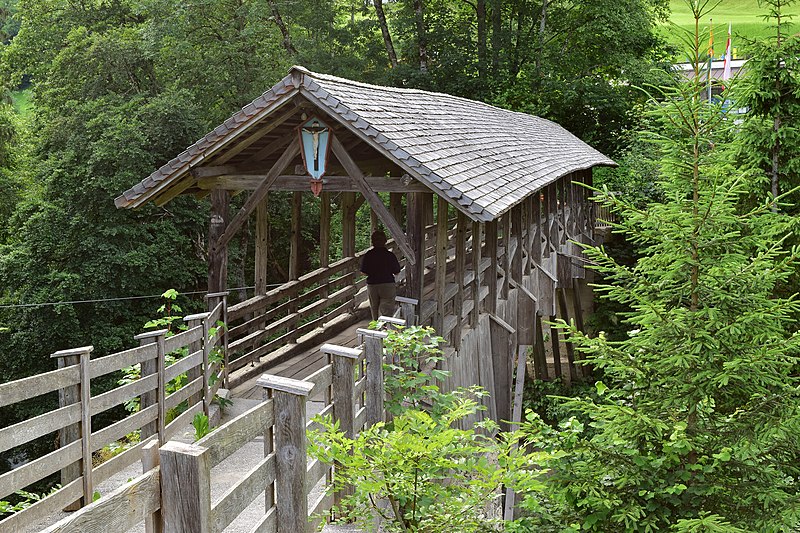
(300, 366)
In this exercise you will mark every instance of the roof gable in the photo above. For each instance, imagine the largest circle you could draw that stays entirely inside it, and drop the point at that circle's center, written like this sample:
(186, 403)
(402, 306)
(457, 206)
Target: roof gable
(480, 158)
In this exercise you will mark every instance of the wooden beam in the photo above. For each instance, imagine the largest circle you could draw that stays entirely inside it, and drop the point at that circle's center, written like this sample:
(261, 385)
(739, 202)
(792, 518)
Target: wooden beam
(296, 236)
(238, 221)
(516, 231)
(295, 182)
(217, 247)
(260, 132)
(262, 246)
(461, 253)
(415, 272)
(491, 252)
(477, 238)
(348, 208)
(506, 221)
(374, 200)
(325, 229)
(440, 280)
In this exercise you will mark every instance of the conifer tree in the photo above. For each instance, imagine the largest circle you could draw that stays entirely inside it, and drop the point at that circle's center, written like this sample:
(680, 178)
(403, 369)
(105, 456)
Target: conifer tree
(697, 425)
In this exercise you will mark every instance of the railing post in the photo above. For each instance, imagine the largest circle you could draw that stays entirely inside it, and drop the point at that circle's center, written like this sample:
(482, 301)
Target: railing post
(185, 488)
(206, 366)
(158, 396)
(373, 353)
(213, 299)
(152, 522)
(70, 395)
(407, 306)
(344, 361)
(192, 321)
(290, 397)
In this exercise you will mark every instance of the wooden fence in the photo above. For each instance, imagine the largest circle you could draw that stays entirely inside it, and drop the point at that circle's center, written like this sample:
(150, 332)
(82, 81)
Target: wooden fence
(190, 381)
(173, 495)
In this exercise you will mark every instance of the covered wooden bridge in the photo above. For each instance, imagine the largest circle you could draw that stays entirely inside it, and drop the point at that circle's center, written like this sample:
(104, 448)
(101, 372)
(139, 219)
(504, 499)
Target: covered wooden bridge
(484, 207)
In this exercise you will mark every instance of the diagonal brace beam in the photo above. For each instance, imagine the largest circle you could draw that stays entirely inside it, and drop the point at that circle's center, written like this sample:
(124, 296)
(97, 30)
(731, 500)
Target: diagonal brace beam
(373, 199)
(255, 198)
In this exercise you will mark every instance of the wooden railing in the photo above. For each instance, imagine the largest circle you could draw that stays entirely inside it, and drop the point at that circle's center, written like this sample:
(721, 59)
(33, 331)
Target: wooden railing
(174, 492)
(265, 323)
(73, 418)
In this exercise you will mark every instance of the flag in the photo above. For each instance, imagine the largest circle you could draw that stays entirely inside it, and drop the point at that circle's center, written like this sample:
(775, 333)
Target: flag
(726, 71)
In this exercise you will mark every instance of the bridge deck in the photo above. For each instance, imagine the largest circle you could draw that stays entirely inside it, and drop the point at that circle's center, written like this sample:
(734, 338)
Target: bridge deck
(300, 366)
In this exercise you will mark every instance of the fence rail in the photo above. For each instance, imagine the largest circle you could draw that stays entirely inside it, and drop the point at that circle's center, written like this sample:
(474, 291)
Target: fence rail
(173, 494)
(159, 393)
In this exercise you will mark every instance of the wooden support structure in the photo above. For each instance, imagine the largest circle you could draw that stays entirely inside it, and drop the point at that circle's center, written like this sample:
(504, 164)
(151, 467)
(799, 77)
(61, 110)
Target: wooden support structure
(440, 280)
(325, 230)
(296, 238)
(562, 304)
(262, 246)
(477, 275)
(460, 272)
(491, 252)
(217, 248)
(289, 397)
(348, 209)
(415, 270)
(185, 488)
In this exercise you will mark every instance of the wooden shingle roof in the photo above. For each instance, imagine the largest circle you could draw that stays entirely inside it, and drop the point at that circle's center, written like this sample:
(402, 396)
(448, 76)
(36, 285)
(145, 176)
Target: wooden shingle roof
(482, 159)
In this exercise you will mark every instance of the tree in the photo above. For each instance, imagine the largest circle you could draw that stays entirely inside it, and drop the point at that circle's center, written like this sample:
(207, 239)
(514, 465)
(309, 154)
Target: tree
(698, 425)
(770, 89)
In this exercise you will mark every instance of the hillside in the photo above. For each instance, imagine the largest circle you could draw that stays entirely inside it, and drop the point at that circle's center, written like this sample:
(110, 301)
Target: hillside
(745, 16)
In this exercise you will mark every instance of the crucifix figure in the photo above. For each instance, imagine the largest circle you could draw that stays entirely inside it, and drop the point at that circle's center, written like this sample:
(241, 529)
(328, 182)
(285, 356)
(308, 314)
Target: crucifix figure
(315, 130)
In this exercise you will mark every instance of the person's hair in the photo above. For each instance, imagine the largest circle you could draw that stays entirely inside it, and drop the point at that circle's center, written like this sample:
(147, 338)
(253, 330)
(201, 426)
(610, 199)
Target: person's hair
(378, 238)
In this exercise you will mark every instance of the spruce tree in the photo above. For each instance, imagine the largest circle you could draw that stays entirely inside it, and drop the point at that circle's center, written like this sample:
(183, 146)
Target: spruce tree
(697, 425)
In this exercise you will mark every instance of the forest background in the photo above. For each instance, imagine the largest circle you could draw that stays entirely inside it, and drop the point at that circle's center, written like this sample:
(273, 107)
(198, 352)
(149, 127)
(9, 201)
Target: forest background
(118, 87)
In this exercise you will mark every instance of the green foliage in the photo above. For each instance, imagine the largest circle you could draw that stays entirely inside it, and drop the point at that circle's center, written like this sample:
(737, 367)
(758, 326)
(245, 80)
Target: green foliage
(436, 478)
(697, 422)
(26, 499)
(201, 426)
(411, 376)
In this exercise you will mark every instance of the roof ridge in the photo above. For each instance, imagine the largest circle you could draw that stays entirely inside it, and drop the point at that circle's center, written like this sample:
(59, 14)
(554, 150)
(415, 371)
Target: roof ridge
(406, 90)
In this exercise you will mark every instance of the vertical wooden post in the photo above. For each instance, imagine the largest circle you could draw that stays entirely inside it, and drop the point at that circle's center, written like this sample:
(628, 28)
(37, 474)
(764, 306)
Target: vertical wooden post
(218, 255)
(185, 488)
(192, 321)
(396, 206)
(68, 396)
(517, 233)
(152, 522)
(502, 361)
(212, 300)
(262, 246)
(290, 397)
(373, 353)
(150, 367)
(269, 447)
(491, 278)
(506, 221)
(407, 306)
(82, 394)
(440, 280)
(562, 304)
(296, 236)
(516, 418)
(540, 356)
(529, 231)
(348, 202)
(416, 235)
(461, 252)
(344, 363)
(325, 229)
(477, 238)
(555, 343)
(206, 368)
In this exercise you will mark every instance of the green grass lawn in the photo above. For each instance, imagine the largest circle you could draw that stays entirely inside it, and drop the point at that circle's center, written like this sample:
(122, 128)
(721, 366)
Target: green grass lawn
(745, 16)
(21, 100)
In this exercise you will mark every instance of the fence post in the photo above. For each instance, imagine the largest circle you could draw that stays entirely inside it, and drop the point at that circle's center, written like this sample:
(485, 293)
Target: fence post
(290, 397)
(84, 395)
(185, 488)
(149, 367)
(373, 353)
(152, 522)
(343, 360)
(192, 321)
(407, 306)
(213, 299)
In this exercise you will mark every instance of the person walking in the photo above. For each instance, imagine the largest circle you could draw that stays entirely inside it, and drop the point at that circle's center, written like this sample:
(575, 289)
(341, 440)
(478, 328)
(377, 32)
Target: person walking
(380, 265)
